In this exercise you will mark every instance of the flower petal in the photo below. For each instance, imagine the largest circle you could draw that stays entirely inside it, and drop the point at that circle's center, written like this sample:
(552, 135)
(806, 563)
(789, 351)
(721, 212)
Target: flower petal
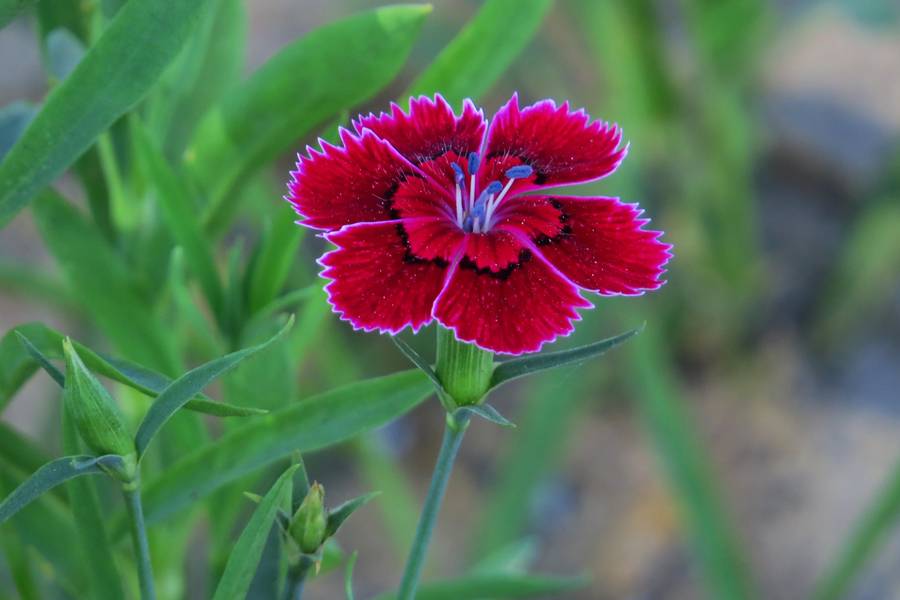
(376, 283)
(428, 129)
(601, 244)
(562, 146)
(350, 184)
(512, 311)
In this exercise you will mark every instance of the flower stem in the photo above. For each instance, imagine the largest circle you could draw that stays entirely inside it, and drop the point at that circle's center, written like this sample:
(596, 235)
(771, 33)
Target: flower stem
(132, 493)
(297, 578)
(453, 435)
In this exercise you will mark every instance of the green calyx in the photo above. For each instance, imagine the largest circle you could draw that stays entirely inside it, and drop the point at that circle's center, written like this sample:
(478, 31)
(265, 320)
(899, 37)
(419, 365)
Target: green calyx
(94, 412)
(464, 370)
(309, 524)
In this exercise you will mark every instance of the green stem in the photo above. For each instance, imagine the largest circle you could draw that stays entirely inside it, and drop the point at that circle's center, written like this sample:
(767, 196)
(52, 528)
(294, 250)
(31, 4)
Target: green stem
(297, 579)
(453, 435)
(132, 493)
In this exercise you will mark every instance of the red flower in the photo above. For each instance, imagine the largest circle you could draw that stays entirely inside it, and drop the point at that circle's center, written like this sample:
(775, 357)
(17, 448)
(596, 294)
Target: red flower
(428, 214)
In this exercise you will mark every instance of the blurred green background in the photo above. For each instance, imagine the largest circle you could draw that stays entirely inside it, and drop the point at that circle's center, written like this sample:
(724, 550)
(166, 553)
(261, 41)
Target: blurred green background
(731, 450)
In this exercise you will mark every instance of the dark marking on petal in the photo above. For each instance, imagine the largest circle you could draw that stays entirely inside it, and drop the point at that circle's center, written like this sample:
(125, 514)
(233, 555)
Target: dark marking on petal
(411, 258)
(503, 274)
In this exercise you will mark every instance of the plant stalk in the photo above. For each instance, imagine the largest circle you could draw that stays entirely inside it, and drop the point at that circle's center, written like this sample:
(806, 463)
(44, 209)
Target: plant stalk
(453, 435)
(132, 493)
(297, 578)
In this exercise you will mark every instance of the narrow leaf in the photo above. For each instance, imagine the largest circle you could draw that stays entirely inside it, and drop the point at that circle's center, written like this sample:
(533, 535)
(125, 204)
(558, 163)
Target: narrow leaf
(519, 367)
(248, 550)
(488, 413)
(276, 255)
(10, 8)
(45, 529)
(483, 50)
(710, 530)
(416, 359)
(340, 64)
(49, 476)
(103, 281)
(16, 367)
(114, 75)
(180, 214)
(311, 424)
(477, 587)
(871, 531)
(348, 575)
(54, 373)
(337, 516)
(180, 391)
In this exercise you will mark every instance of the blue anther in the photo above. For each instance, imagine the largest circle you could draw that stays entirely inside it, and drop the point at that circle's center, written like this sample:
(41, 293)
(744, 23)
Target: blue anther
(519, 172)
(493, 187)
(459, 172)
(473, 162)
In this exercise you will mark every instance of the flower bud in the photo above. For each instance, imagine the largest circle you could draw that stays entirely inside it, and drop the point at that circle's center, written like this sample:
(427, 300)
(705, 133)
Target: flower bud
(309, 524)
(93, 410)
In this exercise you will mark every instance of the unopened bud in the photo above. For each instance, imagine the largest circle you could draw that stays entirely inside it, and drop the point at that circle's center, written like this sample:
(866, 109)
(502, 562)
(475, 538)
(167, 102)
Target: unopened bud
(94, 411)
(309, 524)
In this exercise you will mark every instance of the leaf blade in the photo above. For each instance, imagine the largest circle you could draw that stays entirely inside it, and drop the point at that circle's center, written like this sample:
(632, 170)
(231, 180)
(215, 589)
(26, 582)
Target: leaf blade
(308, 425)
(483, 50)
(519, 367)
(247, 551)
(345, 62)
(114, 75)
(180, 391)
(46, 478)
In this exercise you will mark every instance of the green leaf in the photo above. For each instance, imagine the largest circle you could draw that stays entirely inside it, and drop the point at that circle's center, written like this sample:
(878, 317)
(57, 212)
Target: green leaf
(180, 214)
(94, 548)
(330, 69)
(871, 531)
(19, 451)
(338, 515)
(416, 359)
(10, 8)
(114, 75)
(180, 391)
(54, 373)
(45, 527)
(693, 483)
(277, 253)
(103, 282)
(483, 50)
(19, 278)
(322, 420)
(519, 367)
(247, 551)
(486, 412)
(16, 367)
(478, 587)
(210, 63)
(51, 475)
(348, 575)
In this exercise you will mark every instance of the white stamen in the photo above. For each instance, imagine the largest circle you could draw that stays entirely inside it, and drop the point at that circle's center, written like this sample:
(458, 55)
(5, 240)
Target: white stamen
(459, 206)
(494, 203)
(475, 225)
(489, 212)
(472, 194)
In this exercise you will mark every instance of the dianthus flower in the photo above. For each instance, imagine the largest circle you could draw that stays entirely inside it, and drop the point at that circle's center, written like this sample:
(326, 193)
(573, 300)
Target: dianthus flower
(438, 216)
